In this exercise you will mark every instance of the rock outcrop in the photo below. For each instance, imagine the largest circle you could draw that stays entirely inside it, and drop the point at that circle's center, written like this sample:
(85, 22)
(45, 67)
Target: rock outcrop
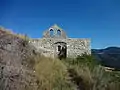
(15, 71)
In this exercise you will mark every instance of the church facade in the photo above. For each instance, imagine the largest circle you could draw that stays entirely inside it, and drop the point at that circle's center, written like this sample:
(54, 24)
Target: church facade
(55, 43)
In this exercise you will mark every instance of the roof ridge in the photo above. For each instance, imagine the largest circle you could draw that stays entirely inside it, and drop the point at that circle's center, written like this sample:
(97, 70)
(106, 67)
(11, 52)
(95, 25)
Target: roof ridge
(57, 27)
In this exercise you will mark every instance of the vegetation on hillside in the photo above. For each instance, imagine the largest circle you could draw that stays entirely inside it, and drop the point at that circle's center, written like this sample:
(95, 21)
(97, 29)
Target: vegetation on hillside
(81, 73)
(93, 75)
(8, 31)
(109, 56)
(53, 75)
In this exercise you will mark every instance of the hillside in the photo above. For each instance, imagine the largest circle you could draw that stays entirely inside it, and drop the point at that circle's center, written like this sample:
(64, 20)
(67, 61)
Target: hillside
(109, 56)
(15, 71)
(23, 68)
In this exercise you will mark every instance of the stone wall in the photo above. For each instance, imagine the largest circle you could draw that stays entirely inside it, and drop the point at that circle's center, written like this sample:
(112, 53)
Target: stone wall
(52, 40)
(74, 46)
(78, 47)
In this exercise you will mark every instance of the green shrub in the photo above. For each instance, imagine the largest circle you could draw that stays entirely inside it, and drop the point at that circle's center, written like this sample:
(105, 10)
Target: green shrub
(91, 74)
(82, 72)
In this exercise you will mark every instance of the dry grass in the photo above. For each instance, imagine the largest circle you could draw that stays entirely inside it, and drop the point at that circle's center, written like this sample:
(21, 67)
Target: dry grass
(52, 75)
(93, 80)
(6, 30)
(93, 76)
(9, 31)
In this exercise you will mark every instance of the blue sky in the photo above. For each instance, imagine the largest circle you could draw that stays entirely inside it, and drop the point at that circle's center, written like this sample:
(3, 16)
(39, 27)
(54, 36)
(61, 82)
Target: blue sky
(95, 19)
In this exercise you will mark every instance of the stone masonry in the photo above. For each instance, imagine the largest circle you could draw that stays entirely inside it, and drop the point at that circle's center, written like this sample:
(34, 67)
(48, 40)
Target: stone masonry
(55, 43)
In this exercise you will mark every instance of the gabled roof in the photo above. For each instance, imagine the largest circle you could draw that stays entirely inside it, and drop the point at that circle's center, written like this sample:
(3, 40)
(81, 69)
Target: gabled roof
(55, 33)
(55, 26)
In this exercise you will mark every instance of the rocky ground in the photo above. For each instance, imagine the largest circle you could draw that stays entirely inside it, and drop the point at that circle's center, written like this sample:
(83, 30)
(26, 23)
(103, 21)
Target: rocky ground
(15, 71)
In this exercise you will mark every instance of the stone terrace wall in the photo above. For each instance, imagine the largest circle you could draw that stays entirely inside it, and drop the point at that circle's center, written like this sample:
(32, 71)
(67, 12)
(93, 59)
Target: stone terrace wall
(74, 46)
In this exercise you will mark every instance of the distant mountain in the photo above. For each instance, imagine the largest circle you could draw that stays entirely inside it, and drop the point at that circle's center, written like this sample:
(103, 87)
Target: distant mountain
(109, 56)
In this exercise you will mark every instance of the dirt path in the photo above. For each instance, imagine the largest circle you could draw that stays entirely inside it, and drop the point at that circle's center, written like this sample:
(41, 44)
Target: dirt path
(77, 80)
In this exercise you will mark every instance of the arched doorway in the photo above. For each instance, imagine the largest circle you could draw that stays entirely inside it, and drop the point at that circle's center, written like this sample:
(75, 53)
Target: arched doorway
(60, 50)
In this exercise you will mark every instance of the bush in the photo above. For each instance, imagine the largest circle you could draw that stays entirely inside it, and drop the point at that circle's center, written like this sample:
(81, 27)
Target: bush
(82, 73)
(81, 61)
(91, 75)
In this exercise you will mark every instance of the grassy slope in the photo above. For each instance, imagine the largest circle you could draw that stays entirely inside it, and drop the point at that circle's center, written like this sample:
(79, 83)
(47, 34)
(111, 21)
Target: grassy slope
(53, 75)
(82, 73)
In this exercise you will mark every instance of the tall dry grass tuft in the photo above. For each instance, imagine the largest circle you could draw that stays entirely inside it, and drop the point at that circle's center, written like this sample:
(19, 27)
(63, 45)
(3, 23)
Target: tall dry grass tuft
(97, 79)
(89, 75)
(8, 31)
(52, 74)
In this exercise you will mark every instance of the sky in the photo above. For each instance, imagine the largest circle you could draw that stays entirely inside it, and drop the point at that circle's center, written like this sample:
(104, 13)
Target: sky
(98, 20)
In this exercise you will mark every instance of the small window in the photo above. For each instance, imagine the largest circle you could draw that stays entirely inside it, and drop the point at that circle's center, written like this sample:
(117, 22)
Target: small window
(51, 32)
(58, 32)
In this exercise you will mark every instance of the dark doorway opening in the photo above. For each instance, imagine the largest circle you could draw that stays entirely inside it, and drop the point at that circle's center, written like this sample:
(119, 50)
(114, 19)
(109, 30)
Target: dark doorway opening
(59, 47)
(61, 50)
